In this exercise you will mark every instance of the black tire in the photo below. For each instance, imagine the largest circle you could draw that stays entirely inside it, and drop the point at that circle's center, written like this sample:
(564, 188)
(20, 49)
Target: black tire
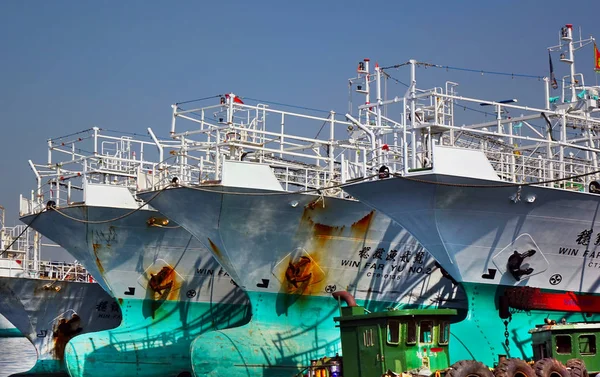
(577, 368)
(549, 367)
(514, 368)
(469, 368)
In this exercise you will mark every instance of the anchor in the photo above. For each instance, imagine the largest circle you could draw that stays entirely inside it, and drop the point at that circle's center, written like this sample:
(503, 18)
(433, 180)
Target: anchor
(516, 260)
(293, 272)
(156, 281)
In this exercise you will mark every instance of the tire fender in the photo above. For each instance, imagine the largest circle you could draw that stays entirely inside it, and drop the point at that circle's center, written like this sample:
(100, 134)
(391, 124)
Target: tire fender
(549, 367)
(469, 368)
(577, 368)
(513, 368)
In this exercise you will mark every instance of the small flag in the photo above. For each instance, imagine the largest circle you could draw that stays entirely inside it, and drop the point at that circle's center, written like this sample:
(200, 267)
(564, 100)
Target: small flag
(236, 99)
(596, 58)
(552, 77)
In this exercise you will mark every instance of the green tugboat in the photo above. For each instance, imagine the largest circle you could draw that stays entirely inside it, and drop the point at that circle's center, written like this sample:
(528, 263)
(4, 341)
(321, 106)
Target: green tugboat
(415, 342)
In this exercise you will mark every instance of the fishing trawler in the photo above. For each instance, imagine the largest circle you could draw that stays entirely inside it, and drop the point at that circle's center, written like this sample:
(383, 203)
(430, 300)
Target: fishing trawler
(288, 249)
(8, 267)
(508, 205)
(48, 302)
(155, 269)
(246, 188)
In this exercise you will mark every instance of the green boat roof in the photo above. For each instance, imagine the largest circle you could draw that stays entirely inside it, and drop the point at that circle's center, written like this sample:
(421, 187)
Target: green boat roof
(398, 314)
(585, 326)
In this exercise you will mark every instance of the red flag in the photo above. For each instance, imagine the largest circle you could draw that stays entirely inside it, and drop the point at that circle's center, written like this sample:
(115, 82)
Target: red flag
(236, 99)
(596, 57)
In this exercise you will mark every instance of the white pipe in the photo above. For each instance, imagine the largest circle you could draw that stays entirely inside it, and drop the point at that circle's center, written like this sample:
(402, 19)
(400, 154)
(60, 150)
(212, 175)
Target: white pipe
(37, 178)
(158, 145)
(547, 93)
(173, 120)
(95, 139)
(365, 129)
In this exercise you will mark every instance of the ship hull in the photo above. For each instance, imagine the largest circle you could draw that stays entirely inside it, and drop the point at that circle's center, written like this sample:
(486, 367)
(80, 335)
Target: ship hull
(161, 316)
(473, 231)
(284, 347)
(290, 252)
(7, 329)
(44, 312)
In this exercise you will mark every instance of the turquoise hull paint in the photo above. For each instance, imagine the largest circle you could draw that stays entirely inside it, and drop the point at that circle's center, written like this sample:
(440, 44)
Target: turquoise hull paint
(8, 330)
(45, 368)
(150, 346)
(157, 329)
(480, 335)
(37, 306)
(275, 344)
(10, 333)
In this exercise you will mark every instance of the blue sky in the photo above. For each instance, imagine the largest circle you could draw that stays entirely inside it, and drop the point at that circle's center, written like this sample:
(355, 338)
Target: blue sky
(67, 66)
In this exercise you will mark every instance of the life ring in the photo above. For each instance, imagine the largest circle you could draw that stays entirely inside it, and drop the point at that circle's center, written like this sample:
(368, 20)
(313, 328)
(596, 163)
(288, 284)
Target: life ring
(577, 368)
(549, 367)
(469, 368)
(513, 368)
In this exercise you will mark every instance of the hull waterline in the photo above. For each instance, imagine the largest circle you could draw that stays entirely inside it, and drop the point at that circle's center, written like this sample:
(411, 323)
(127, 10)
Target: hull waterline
(158, 324)
(290, 252)
(50, 313)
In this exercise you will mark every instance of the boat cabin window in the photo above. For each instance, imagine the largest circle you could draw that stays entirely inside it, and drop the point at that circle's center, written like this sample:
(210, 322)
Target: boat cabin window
(411, 332)
(393, 331)
(563, 344)
(444, 333)
(587, 344)
(426, 334)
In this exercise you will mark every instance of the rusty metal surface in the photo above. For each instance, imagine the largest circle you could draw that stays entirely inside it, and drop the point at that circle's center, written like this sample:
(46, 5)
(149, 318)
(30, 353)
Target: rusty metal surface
(50, 313)
(168, 286)
(290, 252)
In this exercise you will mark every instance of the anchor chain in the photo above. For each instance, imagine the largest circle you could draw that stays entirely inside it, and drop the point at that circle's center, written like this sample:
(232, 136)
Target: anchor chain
(506, 334)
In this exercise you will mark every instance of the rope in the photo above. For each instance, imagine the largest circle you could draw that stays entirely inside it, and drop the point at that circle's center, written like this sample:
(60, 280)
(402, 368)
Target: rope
(495, 186)
(397, 81)
(116, 218)
(487, 72)
(318, 190)
(480, 71)
(197, 99)
(166, 226)
(19, 236)
(286, 105)
(72, 134)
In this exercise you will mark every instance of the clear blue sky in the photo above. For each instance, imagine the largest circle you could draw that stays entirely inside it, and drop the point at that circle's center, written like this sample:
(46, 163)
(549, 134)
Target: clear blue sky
(67, 66)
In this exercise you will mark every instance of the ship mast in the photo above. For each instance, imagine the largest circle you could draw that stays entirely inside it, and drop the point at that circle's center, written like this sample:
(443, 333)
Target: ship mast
(567, 36)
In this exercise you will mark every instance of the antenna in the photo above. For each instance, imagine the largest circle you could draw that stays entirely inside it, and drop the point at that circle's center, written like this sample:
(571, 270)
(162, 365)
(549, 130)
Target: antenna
(2, 228)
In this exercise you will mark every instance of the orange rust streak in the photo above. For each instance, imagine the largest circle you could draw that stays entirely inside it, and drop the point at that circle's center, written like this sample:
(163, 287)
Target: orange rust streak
(215, 249)
(362, 226)
(63, 331)
(320, 239)
(164, 281)
(97, 247)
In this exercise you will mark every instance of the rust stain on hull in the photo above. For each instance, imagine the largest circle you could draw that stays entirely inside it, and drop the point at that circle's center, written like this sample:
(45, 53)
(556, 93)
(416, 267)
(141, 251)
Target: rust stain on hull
(317, 239)
(97, 247)
(63, 331)
(164, 284)
(215, 249)
(299, 272)
(362, 226)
